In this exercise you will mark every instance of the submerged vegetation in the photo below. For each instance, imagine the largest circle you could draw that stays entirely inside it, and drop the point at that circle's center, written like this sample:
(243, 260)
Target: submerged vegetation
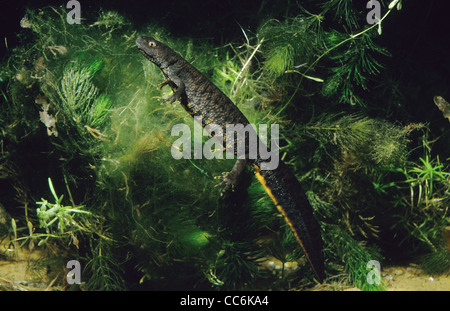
(81, 112)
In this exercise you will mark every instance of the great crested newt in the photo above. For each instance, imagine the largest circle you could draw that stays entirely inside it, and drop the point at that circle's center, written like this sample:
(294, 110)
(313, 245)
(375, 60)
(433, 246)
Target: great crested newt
(200, 97)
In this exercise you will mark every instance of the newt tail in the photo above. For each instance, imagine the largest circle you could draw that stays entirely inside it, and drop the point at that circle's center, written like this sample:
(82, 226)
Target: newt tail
(200, 97)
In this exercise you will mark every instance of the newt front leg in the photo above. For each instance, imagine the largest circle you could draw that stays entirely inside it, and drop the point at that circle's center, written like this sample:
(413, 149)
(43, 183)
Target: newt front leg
(177, 86)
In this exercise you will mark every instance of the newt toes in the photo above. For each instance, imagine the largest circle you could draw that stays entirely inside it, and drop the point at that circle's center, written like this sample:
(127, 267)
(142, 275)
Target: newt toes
(199, 96)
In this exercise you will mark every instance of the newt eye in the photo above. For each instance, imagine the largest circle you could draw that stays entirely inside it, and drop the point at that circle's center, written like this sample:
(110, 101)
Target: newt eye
(151, 44)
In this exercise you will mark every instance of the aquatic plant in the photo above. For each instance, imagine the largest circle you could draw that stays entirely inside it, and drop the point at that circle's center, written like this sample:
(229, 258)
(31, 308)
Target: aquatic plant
(365, 141)
(163, 223)
(288, 44)
(425, 175)
(292, 46)
(77, 92)
(437, 262)
(83, 110)
(420, 200)
(55, 213)
(427, 212)
(355, 257)
(61, 223)
(103, 271)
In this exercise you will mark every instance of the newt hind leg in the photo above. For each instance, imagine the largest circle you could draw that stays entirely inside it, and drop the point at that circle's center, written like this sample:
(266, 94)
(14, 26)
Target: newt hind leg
(231, 179)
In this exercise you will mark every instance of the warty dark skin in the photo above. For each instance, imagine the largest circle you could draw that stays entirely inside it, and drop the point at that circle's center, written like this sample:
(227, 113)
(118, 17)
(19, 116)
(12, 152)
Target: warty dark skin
(200, 97)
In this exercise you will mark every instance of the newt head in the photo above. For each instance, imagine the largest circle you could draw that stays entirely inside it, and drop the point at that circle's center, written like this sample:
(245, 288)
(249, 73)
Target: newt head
(157, 52)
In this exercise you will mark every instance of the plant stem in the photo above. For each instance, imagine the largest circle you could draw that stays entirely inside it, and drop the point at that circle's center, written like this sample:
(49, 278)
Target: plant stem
(325, 53)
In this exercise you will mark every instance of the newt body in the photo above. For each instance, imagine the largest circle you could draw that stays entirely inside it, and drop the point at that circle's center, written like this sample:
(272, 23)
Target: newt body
(202, 98)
